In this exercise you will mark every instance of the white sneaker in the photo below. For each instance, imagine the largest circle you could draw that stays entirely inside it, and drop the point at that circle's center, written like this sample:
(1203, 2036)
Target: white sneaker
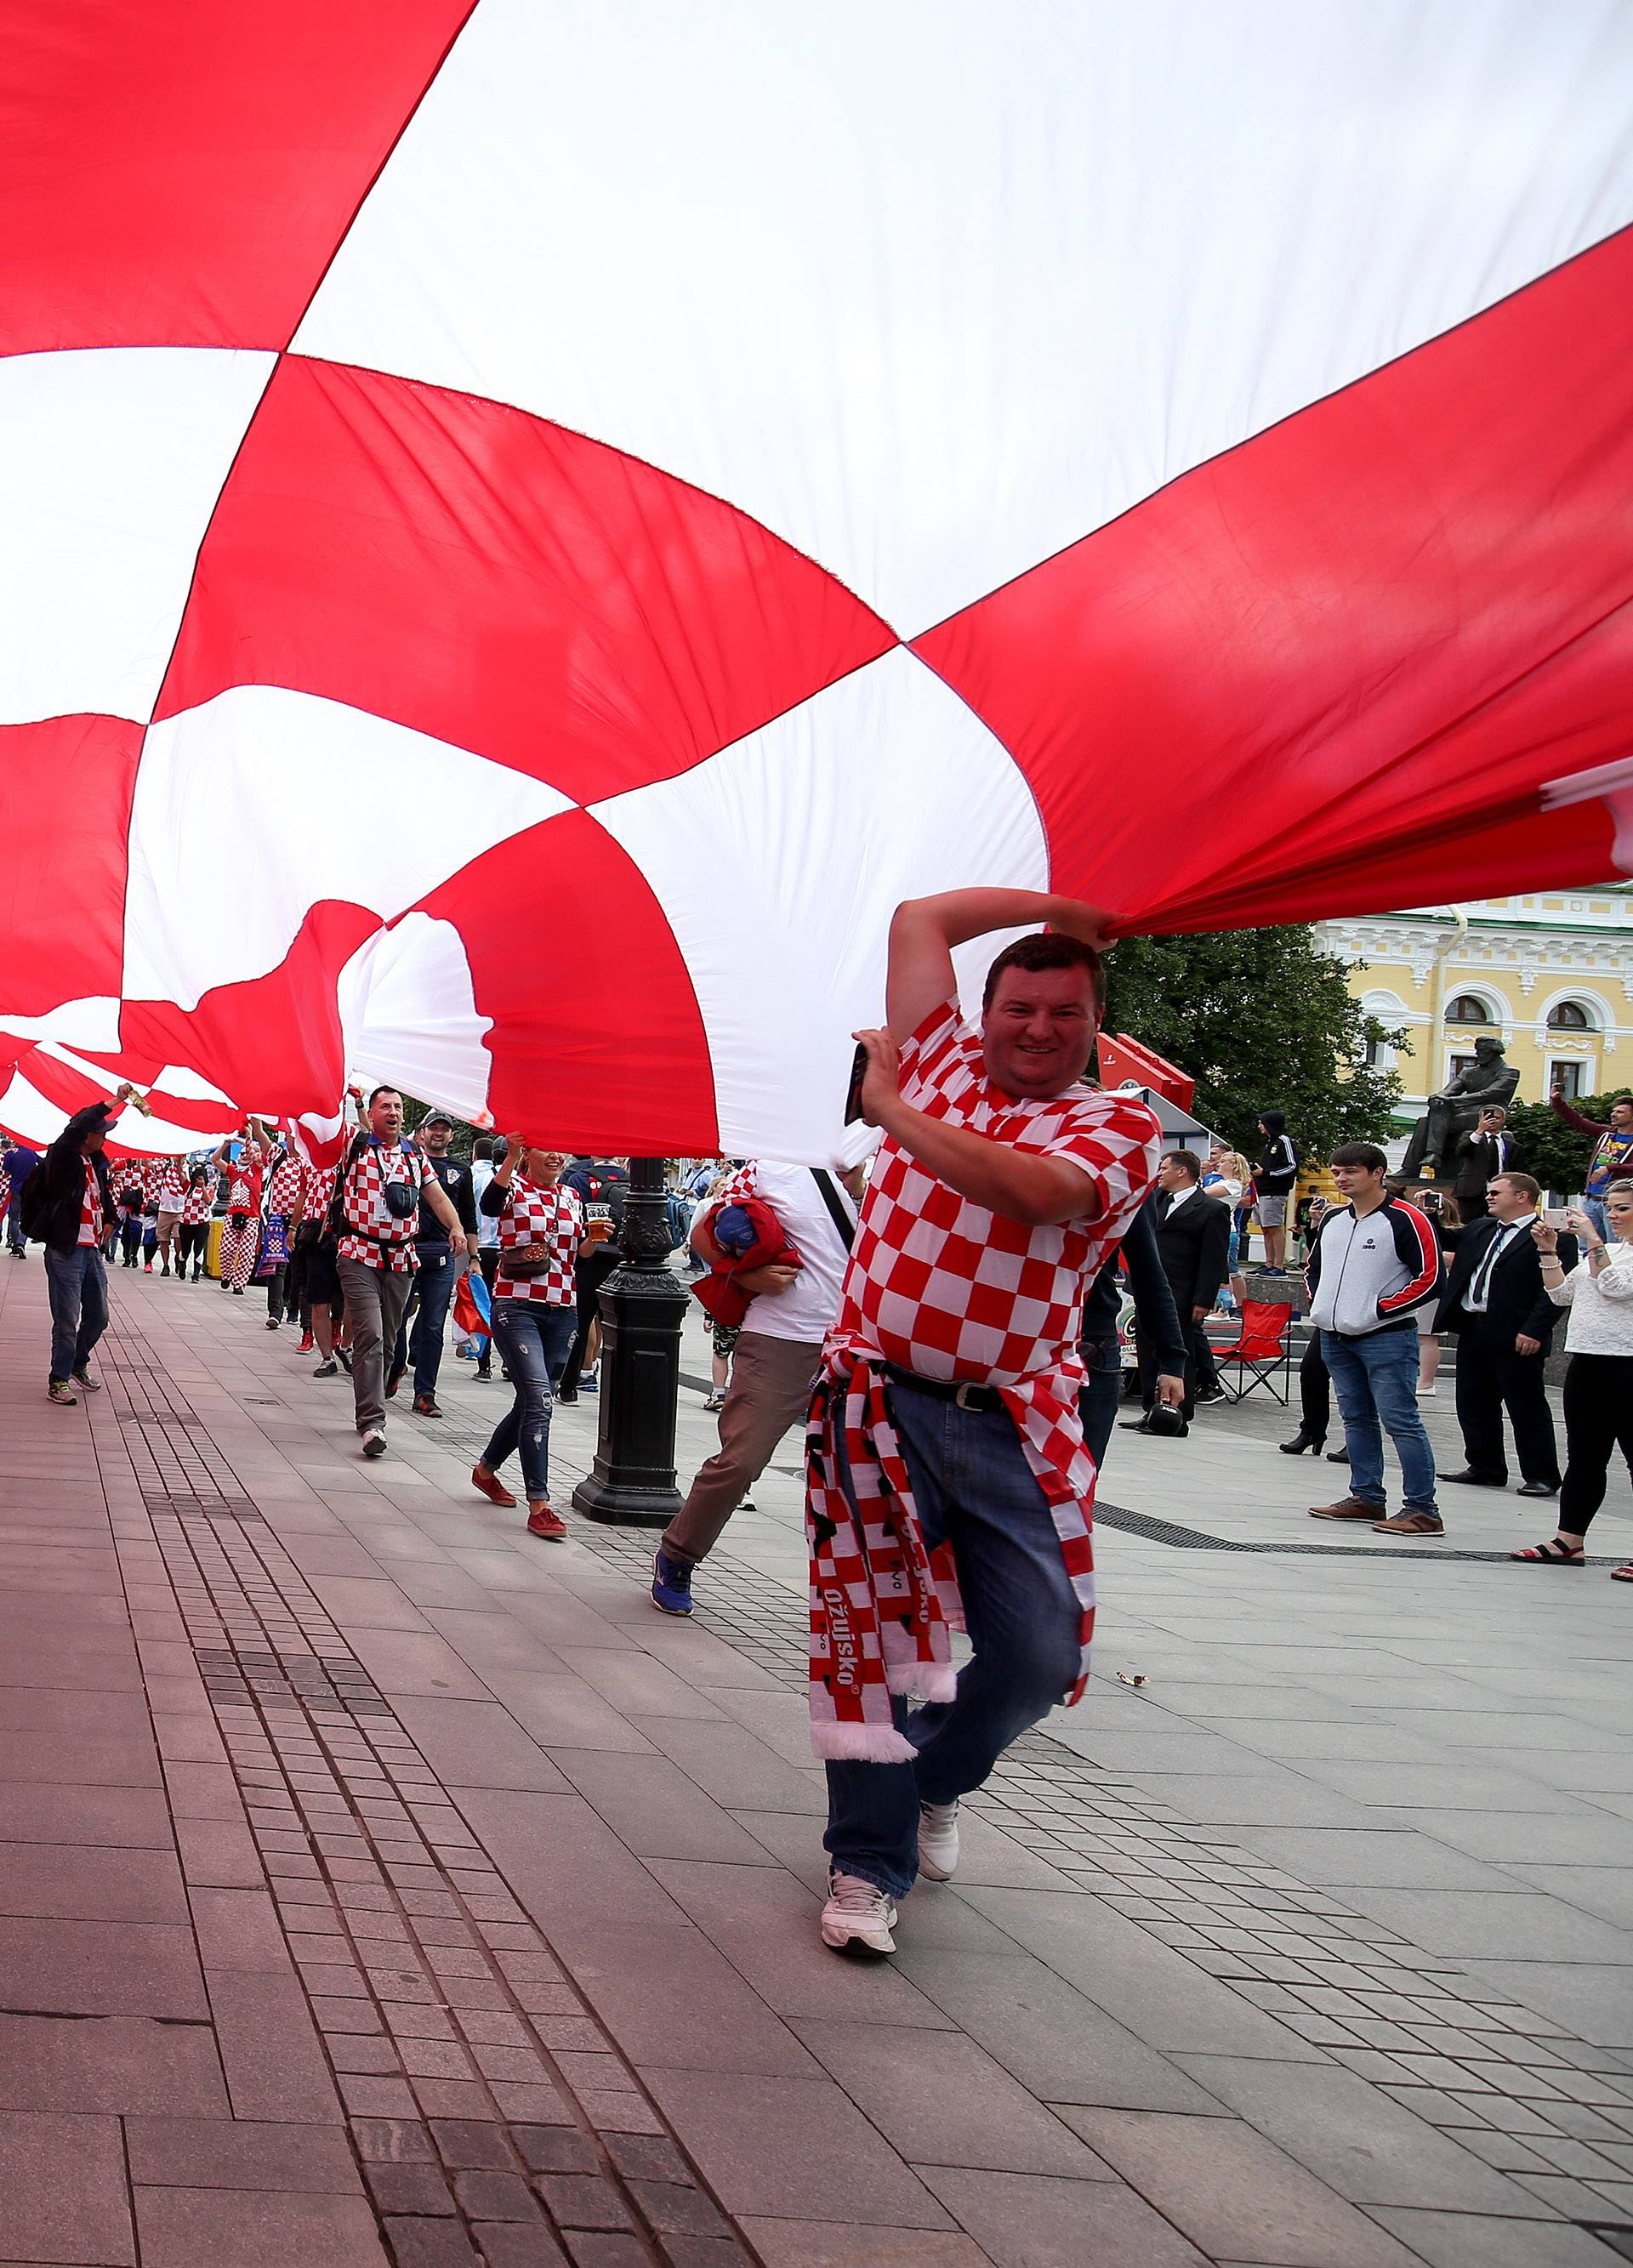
(1424, 1391)
(858, 1917)
(373, 1444)
(938, 1841)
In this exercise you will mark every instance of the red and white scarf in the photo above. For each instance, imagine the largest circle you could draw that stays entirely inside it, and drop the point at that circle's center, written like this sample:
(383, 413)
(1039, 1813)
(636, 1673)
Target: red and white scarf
(882, 1607)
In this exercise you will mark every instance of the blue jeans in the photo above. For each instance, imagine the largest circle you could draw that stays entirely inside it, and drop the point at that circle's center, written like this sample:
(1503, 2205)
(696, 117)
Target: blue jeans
(14, 1219)
(434, 1290)
(973, 1487)
(1375, 1378)
(533, 1341)
(78, 1284)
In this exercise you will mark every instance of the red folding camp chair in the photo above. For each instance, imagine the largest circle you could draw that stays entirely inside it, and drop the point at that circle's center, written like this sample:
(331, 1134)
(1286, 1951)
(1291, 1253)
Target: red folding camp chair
(1261, 1353)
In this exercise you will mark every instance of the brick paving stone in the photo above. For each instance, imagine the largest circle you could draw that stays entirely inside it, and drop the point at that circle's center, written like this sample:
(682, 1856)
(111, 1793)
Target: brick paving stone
(409, 2188)
(495, 2197)
(431, 2244)
(240, 2228)
(583, 2201)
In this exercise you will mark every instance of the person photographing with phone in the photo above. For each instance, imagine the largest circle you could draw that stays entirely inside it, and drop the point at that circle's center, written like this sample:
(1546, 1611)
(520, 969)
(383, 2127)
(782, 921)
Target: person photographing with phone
(1599, 1378)
(946, 1418)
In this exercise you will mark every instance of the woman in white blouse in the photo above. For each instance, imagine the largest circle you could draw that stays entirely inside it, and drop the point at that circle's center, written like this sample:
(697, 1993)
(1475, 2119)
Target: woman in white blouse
(1599, 1382)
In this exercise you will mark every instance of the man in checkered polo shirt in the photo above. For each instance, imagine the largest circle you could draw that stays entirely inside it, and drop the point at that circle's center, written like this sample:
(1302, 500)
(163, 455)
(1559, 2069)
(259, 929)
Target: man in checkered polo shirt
(381, 1183)
(951, 1378)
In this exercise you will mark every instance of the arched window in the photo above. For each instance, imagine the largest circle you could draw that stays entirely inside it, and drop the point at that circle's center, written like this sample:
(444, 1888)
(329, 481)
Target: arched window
(1569, 1016)
(1469, 1008)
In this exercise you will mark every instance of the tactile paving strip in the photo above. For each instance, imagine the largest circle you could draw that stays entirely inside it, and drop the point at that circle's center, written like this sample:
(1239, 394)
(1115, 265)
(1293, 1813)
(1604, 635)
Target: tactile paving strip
(492, 2118)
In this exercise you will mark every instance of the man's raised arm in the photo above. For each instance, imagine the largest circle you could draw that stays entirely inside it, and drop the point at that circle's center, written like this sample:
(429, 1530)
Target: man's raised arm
(924, 931)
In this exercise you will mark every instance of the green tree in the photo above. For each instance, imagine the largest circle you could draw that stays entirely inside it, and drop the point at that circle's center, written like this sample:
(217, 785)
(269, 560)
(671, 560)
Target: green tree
(1261, 1019)
(1557, 1157)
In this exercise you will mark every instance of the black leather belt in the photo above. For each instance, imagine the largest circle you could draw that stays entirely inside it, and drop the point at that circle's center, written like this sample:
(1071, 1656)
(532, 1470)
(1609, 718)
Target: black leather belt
(964, 1392)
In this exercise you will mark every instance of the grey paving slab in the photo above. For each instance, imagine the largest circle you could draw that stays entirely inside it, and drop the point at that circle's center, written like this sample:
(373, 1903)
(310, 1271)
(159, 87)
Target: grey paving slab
(841, 2244)
(1457, 2239)
(1590, 2000)
(173, 2150)
(1606, 1890)
(179, 2227)
(735, 1768)
(1361, 2144)
(101, 1969)
(478, 1744)
(1235, 2194)
(51, 1811)
(117, 2064)
(690, 2010)
(62, 2195)
(566, 1863)
(1028, 2220)
(800, 2150)
(1495, 1925)
(1376, 1857)
(1155, 1993)
(654, 1809)
(1050, 2037)
(561, 1711)
(941, 2100)
(1586, 1837)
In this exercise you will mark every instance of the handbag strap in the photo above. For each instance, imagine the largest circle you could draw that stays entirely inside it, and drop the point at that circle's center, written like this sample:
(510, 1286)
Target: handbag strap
(835, 1203)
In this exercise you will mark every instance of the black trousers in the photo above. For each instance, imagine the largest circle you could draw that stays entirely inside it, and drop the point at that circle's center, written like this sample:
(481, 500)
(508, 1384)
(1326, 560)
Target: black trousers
(1145, 1350)
(1598, 1419)
(192, 1243)
(594, 1269)
(1315, 1390)
(1492, 1378)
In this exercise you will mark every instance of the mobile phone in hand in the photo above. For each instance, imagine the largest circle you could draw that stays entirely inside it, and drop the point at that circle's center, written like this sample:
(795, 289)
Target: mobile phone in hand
(1556, 1216)
(854, 1093)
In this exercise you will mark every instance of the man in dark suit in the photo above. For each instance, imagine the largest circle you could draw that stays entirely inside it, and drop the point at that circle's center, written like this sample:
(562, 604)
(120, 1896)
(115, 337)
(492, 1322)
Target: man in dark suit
(1194, 1244)
(1480, 1157)
(1494, 1301)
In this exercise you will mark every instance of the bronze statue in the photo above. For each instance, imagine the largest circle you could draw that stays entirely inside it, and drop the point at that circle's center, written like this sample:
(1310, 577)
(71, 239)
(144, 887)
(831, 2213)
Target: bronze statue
(1455, 1110)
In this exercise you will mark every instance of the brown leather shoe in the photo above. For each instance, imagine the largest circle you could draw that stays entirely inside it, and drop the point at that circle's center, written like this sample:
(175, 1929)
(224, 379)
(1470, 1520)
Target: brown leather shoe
(1412, 1523)
(1352, 1507)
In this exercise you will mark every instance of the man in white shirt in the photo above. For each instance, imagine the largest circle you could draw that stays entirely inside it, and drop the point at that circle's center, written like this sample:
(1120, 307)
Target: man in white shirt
(483, 1152)
(776, 1357)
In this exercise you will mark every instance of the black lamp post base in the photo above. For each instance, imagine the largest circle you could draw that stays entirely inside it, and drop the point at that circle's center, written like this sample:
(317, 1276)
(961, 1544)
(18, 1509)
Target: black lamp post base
(633, 1482)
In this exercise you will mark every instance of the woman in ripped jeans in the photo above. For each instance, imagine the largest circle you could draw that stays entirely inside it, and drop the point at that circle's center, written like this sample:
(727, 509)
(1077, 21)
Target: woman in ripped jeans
(541, 1234)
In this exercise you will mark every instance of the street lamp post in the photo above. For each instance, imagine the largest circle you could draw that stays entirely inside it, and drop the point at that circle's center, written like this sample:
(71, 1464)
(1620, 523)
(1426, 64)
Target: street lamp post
(632, 1479)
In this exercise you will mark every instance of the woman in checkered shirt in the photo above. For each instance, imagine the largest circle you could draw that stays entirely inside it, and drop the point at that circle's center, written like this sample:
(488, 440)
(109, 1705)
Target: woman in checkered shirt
(542, 1233)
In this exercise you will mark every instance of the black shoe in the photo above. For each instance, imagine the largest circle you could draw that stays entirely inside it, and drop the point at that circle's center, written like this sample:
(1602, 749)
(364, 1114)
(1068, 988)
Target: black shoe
(1302, 1440)
(1469, 1478)
(1338, 1457)
(1124, 1424)
(426, 1406)
(485, 1372)
(1538, 1488)
(568, 1398)
(1211, 1393)
(330, 1369)
(343, 1356)
(392, 1384)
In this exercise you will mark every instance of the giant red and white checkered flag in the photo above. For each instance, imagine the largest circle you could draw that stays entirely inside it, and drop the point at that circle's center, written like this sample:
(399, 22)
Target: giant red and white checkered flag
(529, 526)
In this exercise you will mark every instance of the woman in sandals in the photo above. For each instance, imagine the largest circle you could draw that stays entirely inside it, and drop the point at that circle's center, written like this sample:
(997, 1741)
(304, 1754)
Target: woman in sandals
(542, 1231)
(1598, 1384)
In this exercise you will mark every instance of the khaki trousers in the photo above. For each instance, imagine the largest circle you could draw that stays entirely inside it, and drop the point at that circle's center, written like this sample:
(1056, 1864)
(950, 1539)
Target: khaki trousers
(769, 1392)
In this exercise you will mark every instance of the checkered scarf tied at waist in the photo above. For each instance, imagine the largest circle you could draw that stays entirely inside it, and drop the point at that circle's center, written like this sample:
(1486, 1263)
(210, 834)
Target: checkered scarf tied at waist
(882, 1607)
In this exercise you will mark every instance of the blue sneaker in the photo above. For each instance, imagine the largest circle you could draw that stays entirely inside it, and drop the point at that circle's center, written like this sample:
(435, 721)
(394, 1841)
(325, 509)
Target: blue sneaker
(671, 1585)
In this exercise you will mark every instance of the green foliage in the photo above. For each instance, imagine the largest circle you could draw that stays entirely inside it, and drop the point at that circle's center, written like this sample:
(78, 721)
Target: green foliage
(1262, 1019)
(1554, 1154)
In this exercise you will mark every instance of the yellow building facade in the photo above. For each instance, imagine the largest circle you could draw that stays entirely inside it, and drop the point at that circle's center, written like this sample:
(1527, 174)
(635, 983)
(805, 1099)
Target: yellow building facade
(1551, 975)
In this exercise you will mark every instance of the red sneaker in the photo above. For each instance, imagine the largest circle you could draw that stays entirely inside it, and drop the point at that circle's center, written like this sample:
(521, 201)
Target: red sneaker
(489, 1485)
(543, 1522)
(307, 1344)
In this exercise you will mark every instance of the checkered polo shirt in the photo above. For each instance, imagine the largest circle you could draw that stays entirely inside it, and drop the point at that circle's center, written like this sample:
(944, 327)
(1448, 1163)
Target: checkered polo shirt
(374, 1234)
(533, 1216)
(199, 1201)
(941, 1286)
(285, 1187)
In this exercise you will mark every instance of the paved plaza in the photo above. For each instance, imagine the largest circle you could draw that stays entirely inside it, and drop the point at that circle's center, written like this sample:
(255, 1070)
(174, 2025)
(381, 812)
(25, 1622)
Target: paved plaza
(378, 1883)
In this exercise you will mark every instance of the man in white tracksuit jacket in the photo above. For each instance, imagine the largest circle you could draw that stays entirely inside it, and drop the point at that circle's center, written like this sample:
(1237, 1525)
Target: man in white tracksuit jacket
(1375, 1262)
